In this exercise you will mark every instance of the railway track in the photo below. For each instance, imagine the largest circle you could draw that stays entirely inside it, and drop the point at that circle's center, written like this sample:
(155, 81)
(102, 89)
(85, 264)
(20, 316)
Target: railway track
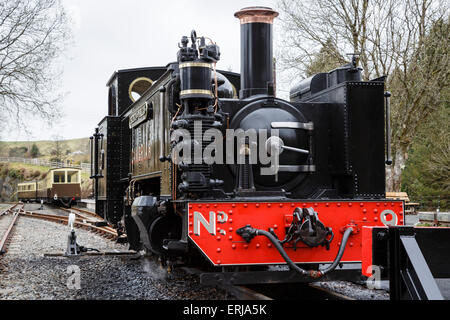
(6, 232)
(283, 292)
(277, 291)
(90, 217)
(86, 220)
(89, 225)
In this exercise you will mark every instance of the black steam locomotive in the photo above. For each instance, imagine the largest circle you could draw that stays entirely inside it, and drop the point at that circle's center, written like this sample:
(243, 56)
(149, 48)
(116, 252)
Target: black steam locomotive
(174, 163)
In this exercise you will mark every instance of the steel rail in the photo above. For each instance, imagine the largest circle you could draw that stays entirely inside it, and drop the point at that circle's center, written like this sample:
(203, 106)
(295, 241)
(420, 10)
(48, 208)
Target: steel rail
(239, 292)
(90, 213)
(110, 234)
(93, 217)
(9, 209)
(8, 232)
(80, 212)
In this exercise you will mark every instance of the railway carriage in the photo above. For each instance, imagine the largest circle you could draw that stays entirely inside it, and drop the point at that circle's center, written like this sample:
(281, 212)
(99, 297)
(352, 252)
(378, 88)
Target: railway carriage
(27, 191)
(61, 186)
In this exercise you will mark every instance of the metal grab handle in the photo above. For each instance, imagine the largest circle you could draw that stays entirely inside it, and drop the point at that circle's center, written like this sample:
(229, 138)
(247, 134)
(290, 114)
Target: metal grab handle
(91, 148)
(162, 142)
(387, 96)
(278, 146)
(295, 149)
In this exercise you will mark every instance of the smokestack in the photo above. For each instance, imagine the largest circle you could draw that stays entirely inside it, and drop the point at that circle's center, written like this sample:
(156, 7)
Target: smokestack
(256, 49)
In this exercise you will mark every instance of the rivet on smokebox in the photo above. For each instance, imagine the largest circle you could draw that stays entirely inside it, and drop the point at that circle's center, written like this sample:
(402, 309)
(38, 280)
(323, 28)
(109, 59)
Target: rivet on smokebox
(233, 205)
(218, 238)
(281, 205)
(230, 212)
(245, 205)
(230, 221)
(375, 210)
(245, 246)
(269, 205)
(361, 204)
(230, 238)
(350, 204)
(258, 245)
(338, 204)
(219, 262)
(233, 246)
(257, 205)
(275, 226)
(219, 250)
(269, 245)
(327, 204)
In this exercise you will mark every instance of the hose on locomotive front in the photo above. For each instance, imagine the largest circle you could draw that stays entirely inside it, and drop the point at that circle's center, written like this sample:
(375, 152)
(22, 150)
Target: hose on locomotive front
(249, 233)
(338, 258)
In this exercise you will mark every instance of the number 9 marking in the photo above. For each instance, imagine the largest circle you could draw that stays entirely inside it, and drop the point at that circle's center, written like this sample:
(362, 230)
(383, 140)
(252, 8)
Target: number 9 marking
(393, 221)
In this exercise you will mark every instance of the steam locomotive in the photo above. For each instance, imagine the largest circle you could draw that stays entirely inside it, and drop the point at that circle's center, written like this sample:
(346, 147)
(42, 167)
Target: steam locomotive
(208, 167)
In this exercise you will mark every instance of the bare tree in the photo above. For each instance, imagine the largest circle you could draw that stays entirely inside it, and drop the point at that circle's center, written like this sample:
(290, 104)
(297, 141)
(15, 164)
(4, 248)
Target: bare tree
(33, 33)
(57, 152)
(406, 40)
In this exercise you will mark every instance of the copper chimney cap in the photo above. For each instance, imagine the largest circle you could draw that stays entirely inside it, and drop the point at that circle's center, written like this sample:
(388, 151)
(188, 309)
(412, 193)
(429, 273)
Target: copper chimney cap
(256, 15)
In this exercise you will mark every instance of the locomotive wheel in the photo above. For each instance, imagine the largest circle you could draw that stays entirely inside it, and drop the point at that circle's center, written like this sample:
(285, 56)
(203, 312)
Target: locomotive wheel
(163, 227)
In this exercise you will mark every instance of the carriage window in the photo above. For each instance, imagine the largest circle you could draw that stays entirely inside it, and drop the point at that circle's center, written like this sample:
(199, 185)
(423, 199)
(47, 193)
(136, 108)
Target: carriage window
(59, 177)
(72, 177)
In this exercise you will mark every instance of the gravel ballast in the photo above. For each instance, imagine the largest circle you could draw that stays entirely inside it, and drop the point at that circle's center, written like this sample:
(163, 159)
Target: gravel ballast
(28, 275)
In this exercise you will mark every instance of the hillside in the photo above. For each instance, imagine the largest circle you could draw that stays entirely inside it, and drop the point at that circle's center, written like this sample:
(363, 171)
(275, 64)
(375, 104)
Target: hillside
(76, 150)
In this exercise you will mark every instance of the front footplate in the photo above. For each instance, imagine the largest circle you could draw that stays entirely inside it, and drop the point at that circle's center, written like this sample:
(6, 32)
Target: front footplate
(212, 228)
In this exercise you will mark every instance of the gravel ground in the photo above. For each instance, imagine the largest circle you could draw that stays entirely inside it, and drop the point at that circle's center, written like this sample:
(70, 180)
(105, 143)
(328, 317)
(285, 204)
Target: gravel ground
(28, 275)
(48, 209)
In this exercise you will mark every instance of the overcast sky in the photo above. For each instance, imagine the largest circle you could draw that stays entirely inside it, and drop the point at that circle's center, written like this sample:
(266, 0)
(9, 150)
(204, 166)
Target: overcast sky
(111, 35)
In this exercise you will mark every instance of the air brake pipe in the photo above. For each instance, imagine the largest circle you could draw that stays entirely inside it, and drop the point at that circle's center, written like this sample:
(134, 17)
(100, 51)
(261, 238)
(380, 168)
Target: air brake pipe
(249, 232)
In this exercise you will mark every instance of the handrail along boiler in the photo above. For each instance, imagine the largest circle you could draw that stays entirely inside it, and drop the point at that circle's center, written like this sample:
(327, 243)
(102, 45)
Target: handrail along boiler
(330, 182)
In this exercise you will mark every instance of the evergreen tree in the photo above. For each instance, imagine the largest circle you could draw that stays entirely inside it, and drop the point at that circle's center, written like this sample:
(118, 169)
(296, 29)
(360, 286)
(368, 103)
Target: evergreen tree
(34, 151)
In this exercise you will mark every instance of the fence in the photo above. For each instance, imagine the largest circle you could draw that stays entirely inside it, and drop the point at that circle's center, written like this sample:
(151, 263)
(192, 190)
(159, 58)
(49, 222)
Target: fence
(86, 167)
